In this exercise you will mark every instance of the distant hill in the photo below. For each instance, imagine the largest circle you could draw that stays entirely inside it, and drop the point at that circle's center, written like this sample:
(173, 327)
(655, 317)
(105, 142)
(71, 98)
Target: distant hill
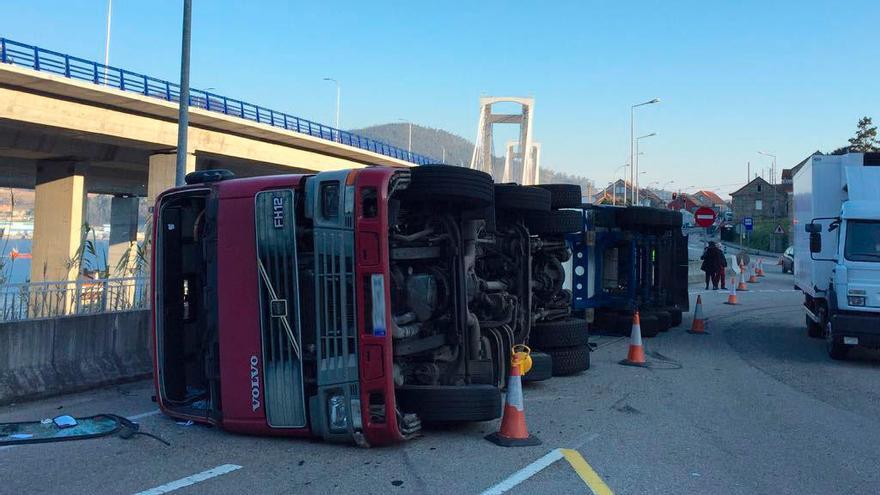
(431, 142)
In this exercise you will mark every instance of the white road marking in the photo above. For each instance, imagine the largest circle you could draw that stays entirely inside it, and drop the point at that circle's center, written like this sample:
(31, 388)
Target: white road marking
(525, 473)
(192, 480)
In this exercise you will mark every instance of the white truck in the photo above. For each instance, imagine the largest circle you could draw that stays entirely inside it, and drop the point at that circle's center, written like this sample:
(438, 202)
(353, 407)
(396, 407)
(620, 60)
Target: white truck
(837, 249)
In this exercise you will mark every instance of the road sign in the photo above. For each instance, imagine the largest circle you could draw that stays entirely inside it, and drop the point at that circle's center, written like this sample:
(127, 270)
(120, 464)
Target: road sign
(704, 216)
(779, 230)
(747, 223)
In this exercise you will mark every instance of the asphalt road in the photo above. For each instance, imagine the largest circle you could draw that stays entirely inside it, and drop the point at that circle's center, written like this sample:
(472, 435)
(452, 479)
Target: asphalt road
(754, 407)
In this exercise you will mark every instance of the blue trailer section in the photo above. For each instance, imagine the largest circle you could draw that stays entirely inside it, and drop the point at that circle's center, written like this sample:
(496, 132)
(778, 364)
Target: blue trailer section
(628, 259)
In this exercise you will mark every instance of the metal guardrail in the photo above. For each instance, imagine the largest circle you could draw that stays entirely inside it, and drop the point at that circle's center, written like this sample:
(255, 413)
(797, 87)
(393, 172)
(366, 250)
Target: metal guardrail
(32, 300)
(40, 59)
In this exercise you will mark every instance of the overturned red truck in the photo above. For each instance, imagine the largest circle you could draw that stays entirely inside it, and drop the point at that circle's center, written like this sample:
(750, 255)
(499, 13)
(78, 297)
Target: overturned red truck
(353, 305)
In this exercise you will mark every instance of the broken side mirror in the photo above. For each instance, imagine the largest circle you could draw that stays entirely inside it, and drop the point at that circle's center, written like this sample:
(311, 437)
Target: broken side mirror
(815, 242)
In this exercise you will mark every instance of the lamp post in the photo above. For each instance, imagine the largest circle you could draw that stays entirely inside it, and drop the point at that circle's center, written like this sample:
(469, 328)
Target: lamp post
(773, 168)
(183, 107)
(409, 141)
(107, 41)
(632, 133)
(443, 160)
(636, 185)
(338, 96)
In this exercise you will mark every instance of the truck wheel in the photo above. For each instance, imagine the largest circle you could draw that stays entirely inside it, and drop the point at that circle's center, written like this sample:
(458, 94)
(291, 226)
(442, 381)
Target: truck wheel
(836, 350)
(521, 198)
(650, 325)
(675, 317)
(621, 323)
(450, 184)
(664, 320)
(542, 368)
(450, 403)
(570, 360)
(604, 217)
(570, 332)
(604, 322)
(554, 222)
(564, 195)
(644, 216)
(814, 330)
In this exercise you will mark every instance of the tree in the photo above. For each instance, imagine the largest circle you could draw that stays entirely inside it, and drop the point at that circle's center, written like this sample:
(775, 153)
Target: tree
(864, 141)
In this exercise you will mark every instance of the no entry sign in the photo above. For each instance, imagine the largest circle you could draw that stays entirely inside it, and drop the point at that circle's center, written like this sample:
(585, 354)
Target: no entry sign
(704, 216)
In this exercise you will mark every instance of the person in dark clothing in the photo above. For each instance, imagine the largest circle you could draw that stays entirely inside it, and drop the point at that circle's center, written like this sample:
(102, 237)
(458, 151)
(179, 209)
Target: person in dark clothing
(713, 263)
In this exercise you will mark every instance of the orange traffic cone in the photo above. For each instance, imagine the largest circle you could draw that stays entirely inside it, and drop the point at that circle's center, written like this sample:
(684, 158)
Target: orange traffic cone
(760, 270)
(742, 278)
(753, 278)
(636, 354)
(731, 298)
(699, 324)
(513, 432)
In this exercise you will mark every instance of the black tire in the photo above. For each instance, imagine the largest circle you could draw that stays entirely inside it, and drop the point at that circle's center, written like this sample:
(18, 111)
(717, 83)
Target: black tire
(570, 332)
(649, 325)
(564, 195)
(814, 330)
(664, 320)
(542, 368)
(462, 186)
(837, 351)
(613, 323)
(451, 404)
(604, 217)
(570, 360)
(521, 198)
(554, 222)
(644, 216)
(675, 317)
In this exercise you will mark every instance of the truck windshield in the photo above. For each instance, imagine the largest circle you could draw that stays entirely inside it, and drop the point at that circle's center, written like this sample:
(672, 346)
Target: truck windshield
(862, 241)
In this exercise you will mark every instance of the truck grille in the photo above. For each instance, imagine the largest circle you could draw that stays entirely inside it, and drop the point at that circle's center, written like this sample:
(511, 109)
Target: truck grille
(279, 309)
(334, 289)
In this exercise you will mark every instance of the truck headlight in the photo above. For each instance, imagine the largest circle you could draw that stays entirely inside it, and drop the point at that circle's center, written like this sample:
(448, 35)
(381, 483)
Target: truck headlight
(856, 300)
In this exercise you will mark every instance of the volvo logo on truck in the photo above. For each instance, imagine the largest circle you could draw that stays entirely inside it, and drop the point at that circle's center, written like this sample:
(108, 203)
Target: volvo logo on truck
(255, 384)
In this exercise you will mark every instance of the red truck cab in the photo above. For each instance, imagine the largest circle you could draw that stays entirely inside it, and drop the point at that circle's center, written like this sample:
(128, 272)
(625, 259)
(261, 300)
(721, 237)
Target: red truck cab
(339, 305)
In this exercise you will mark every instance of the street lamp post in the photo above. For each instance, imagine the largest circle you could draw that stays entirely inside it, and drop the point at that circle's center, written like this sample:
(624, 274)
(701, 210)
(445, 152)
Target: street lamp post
(636, 185)
(773, 168)
(632, 132)
(338, 96)
(183, 107)
(107, 41)
(443, 160)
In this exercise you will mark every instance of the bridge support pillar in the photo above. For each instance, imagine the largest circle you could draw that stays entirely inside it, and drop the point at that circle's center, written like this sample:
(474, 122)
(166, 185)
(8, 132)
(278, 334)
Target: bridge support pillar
(123, 235)
(59, 213)
(163, 170)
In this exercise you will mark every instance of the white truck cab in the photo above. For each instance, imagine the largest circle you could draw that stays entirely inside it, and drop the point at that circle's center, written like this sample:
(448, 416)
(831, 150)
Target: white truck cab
(837, 238)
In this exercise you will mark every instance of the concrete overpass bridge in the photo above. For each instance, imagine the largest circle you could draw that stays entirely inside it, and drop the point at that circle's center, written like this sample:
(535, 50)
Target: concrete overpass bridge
(70, 126)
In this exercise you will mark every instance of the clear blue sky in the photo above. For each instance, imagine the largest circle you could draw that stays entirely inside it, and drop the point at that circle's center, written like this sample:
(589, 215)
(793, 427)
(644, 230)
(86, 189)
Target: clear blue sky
(735, 77)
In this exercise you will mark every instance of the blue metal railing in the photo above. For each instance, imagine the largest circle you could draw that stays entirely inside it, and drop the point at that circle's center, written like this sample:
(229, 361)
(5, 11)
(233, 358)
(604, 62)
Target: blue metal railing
(32, 57)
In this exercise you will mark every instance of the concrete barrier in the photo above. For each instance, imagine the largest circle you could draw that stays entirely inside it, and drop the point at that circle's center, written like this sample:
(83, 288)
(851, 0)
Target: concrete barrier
(45, 357)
